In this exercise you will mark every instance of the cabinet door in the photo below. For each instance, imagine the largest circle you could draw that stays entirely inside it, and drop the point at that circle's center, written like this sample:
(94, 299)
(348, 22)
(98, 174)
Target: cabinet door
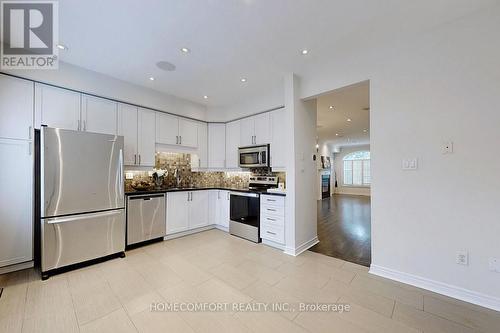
(198, 208)
(247, 131)
(167, 129)
(16, 108)
(146, 138)
(223, 205)
(177, 212)
(16, 202)
(55, 107)
(278, 139)
(188, 132)
(261, 123)
(202, 153)
(232, 144)
(213, 207)
(216, 145)
(127, 126)
(99, 115)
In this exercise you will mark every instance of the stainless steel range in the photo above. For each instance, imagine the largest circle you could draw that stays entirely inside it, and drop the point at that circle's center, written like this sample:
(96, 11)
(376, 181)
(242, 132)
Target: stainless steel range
(244, 212)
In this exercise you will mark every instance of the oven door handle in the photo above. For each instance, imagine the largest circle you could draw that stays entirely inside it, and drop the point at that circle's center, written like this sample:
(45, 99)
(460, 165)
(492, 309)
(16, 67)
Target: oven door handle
(245, 194)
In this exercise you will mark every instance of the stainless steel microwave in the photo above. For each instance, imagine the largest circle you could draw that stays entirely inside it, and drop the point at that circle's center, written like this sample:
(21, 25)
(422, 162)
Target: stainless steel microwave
(254, 156)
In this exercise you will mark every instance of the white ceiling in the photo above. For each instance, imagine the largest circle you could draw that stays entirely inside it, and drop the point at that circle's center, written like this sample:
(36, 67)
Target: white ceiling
(348, 103)
(230, 39)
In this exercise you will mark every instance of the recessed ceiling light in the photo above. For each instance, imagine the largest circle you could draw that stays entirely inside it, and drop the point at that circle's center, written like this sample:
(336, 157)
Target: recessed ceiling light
(304, 51)
(62, 47)
(365, 130)
(185, 50)
(151, 78)
(348, 119)
(331, 107)
(165, 66)
(205, 97)
(336, 134)
(243, 79)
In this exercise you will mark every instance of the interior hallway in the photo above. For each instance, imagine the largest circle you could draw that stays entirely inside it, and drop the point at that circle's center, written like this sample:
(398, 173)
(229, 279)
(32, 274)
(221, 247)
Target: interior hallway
(344, 228)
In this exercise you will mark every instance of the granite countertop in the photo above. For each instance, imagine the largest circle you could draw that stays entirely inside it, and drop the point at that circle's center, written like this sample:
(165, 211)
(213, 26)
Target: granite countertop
(181, 189)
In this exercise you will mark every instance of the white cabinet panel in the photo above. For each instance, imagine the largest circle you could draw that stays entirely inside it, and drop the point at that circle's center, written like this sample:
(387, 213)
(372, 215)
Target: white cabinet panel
(198, 208)
(167, 129)
(278, 139)
(188, 133)
(146, 137)
(127, 126)
(247, 131)
(56, 107)
(261, 125)
(177, 212)
(99, 115)
(16, 108)
(202, 153)
(223, 209)
(232, 144)
(216, 145)
(16, 202)
(213, 206)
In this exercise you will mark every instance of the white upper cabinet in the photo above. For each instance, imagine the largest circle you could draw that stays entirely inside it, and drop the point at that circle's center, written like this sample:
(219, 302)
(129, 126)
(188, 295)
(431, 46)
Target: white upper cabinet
(255, 130)
(56, 107)
(232, 144)
(247, 131)
(202, 153)
(99, 115)
(138, 129)
(278, 139)
(261, 126)
(167, 129)
(188, 133)
(16, 108)
(127, 126)
(216, 145)
(146, 137)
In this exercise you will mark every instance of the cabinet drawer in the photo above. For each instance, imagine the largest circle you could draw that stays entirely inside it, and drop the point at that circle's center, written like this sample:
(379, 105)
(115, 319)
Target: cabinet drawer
(276, 220)
(273, 200)
(272, 233)
(272, 210)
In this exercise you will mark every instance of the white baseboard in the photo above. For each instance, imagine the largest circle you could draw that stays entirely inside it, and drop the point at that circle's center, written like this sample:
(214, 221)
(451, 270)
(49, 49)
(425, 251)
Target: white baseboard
(295, 251)
(438, 287)
(16, 267)
(220, 227)
(273, 244)
(189, 232)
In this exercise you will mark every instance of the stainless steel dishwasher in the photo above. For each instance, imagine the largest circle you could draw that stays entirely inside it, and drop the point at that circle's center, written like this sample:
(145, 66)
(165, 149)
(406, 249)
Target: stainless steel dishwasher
(145, 217)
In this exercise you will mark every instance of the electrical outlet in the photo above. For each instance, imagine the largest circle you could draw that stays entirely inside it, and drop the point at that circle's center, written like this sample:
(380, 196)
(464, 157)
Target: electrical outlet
(494, 264)
(448, 147)
(129, 175)
(462, 258)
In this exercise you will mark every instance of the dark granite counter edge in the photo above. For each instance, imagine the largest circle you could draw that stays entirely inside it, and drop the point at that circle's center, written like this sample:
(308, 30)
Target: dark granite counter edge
(167, 190)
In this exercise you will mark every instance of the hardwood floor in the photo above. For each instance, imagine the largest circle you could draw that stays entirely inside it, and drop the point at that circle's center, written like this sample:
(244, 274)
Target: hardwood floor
(344, 228)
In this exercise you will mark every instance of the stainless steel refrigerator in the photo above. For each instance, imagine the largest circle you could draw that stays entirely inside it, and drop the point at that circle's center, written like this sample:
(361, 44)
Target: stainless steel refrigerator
(81, 197)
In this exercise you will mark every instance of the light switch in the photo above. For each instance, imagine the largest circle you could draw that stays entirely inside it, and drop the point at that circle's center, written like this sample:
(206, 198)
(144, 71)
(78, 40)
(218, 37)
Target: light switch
(409, 164)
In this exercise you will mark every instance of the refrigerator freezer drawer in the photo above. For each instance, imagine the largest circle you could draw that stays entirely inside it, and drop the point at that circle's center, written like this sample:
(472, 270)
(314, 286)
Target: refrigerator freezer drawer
(77, 238)
(145, 218)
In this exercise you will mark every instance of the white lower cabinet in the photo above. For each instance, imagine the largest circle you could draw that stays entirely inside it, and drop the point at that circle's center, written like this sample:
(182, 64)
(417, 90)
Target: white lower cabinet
(186, 210)
(219, 208)
(272, 219)
(16, 202)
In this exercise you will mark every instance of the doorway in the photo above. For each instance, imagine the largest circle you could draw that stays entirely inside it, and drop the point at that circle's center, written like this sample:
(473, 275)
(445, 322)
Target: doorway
(344, 177)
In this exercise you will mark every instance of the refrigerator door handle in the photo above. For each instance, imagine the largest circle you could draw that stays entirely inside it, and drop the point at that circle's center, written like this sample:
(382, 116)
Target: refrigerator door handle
(75, 218)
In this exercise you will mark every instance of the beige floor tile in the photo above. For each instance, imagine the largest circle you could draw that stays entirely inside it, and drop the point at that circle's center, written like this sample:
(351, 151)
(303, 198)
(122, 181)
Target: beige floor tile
(264, 259)
(161, 322)
(95, 302)
(389, 290)
(187, 271)
(215, 290)
(483, 320)
(364, 298)
(427, 322)
(13, 301)
(117, 321)
(207, 322)
(261, 272)
(318, 257)
(308, 288)
(355, 268)
(233, 276)
(268, 322)
(321, 322)
(142, 302)
(179, 293)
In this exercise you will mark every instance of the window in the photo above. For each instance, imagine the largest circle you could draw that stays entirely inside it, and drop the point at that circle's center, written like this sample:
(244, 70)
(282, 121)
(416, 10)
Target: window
(357, 169)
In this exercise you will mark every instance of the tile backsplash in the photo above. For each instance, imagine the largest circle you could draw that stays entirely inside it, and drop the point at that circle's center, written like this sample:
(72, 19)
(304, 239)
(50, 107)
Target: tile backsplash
(182, 162)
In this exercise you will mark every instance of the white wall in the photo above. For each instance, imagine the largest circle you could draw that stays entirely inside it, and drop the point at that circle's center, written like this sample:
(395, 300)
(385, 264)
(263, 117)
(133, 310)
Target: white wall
(339, 171)
(301, 214)
(78, 78)
(441, 85)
